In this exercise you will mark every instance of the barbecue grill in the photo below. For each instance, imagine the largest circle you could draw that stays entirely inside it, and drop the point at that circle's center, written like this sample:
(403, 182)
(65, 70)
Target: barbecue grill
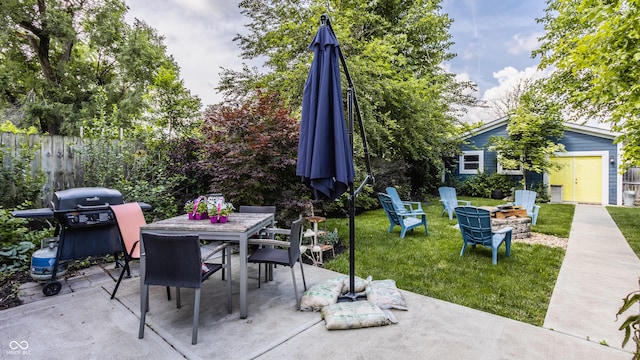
(85, 225)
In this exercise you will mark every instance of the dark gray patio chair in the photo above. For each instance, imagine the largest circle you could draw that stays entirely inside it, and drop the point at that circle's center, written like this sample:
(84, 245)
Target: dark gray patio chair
(269, 232)
(286, 257)
(176, 260)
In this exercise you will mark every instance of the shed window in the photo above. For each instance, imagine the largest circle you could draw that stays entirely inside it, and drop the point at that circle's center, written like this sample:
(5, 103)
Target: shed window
(471, 162)
(509, 171)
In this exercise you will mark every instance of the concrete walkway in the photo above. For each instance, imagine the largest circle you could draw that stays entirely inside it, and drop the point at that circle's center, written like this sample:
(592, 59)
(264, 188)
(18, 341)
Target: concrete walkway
(84, 324)
(598, 271)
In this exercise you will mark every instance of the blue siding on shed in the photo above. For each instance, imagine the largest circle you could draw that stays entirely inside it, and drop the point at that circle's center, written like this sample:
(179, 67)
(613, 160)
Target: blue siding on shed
(479, 142)
(573, 141)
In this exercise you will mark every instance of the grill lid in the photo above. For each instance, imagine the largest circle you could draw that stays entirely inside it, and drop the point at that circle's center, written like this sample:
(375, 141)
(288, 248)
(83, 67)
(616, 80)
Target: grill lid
(85, 198)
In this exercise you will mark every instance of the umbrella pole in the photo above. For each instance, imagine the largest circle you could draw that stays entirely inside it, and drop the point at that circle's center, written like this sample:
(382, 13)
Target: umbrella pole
(351, 295)
(351, 101)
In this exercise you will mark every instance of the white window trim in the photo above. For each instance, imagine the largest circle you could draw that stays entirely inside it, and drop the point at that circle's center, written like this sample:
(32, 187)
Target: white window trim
(503, 171)
(464, 171)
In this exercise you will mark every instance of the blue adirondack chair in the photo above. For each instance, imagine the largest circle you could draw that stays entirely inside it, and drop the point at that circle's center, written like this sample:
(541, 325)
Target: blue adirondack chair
(411, 207)
(399, 217)
(527, 199)
(449, 200)
(475, 226)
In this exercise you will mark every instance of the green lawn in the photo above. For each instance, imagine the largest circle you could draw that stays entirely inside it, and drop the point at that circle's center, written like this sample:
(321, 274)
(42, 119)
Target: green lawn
(518, 287)
(628, 221)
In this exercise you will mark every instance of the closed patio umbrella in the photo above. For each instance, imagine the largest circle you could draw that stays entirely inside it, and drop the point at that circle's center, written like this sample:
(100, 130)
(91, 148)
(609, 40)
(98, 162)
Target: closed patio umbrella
(325, 151)
(325, 160)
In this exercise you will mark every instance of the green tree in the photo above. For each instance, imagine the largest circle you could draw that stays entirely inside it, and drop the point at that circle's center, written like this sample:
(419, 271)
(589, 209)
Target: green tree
(60, 57)
(138, 165)
(534, 129)
(594, 47)
(394, 50)
(173, 108)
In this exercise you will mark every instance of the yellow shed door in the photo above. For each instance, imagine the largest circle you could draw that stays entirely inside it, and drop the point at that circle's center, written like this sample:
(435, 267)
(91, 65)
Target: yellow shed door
(580, 177)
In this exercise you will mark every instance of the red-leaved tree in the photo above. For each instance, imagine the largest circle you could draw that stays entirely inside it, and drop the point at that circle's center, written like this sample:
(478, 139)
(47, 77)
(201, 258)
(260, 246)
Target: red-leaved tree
(250, 151)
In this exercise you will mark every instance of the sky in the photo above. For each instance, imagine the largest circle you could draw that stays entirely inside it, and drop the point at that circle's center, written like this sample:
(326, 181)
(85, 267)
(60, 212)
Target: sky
(493, 41)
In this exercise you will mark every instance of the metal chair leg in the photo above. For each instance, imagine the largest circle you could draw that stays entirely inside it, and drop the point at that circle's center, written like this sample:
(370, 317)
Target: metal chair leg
(196, 315)
(259, 274)
(304, 281)
(144, 296)
(295, 288)
(126, 267)
(228, 265)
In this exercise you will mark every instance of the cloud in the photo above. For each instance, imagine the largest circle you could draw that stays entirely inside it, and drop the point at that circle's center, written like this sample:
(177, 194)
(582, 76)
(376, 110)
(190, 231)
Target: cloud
(508, 78)
(199, 35)
(518, 44)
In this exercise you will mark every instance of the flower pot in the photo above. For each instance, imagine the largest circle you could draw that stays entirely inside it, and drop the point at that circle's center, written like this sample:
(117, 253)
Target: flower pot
(202, 216)
(192, 215)
(223, 219)
(213, 219)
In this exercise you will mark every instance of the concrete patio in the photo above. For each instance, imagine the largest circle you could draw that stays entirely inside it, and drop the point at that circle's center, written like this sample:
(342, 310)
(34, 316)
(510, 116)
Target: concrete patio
(83, 323)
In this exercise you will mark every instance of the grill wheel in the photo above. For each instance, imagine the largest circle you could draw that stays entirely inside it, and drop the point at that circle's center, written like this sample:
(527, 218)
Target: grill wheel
(52, 288)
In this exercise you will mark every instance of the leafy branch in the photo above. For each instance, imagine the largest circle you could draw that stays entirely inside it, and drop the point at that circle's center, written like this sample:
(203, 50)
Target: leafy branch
(632, 324)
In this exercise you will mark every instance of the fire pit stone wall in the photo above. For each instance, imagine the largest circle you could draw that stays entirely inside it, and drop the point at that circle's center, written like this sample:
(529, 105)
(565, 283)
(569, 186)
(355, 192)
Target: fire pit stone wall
(521, 226)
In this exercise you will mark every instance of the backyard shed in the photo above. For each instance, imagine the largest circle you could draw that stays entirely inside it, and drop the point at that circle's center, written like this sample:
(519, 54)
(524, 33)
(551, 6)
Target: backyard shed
(590, 165)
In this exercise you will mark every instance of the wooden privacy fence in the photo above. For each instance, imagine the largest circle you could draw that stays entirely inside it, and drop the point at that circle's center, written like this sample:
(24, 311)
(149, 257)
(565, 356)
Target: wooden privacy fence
(57, 158)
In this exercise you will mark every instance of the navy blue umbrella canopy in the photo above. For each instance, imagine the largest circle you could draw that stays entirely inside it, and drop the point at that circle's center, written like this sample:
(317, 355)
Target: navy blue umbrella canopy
(325, 160)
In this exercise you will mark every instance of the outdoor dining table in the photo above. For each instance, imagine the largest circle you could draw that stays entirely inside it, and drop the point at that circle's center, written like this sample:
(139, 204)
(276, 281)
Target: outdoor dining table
(238, 229)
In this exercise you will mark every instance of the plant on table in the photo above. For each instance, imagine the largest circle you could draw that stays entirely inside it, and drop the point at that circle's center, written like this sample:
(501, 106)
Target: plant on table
(202, 208)
(217, 206)
(196, 209)
(189, 207)
(226, 209)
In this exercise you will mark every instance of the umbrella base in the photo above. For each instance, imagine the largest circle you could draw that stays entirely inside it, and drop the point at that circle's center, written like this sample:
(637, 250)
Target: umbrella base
(352, 297)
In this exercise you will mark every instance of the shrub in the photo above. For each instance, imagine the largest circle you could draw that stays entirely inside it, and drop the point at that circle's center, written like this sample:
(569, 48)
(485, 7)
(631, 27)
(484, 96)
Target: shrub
(251, 151)
(103, 154)
(483, 184)
(365, 200)
(137, 167)
(183, 165)
(17, 242)
(542, 190)
(17, 181)
(15, 258)
(12, 229)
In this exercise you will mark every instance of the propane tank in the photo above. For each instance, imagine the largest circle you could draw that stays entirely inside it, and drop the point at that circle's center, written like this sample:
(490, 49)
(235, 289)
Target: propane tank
(42, 261)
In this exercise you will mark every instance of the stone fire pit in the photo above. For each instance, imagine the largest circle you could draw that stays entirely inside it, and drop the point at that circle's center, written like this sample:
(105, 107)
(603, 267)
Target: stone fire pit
(521, 226)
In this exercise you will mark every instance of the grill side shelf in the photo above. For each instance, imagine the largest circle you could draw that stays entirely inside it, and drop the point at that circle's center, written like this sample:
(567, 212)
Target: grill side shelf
(42, 213)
